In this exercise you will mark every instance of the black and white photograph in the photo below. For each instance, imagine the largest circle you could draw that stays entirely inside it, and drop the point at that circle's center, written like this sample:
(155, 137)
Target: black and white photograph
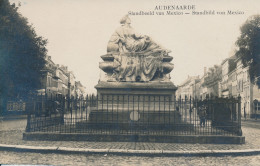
(128, 82)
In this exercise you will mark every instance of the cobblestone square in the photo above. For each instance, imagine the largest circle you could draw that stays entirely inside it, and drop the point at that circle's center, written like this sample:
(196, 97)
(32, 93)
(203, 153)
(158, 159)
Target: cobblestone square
(11, 134)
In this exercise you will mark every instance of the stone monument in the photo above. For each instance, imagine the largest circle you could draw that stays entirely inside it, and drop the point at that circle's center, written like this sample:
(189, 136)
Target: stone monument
(135, 64)
(134, 91)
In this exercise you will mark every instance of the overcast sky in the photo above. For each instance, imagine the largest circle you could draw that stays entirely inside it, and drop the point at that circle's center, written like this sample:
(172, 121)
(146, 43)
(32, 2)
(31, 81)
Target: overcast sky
(78, 31)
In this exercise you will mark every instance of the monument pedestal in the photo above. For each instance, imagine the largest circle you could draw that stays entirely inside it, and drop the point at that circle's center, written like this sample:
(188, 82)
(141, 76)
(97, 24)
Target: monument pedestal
(135, 105)
(137, 95)
(136, 88)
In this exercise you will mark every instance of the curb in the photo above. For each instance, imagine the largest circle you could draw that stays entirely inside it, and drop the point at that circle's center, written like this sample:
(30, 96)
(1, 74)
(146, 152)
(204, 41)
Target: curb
(201, 139)
(67, 150)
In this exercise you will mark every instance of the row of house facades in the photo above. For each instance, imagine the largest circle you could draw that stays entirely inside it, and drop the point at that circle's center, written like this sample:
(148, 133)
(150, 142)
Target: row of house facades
(229, 79)
(58, 80)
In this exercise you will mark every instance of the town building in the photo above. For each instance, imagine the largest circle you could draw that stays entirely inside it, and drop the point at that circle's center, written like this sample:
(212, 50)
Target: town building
(80, 89)
(189, 88)
(62, 76)
(249, 92)
(212, 81)
(58, 80)
(227, 66)
(49, 81)
(72, 84)
(230, 79)
(203, 90)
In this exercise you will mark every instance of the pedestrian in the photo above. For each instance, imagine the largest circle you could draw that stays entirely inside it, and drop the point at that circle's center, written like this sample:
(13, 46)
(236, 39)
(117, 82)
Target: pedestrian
(244, 112)
(178, 112)
(202, 115)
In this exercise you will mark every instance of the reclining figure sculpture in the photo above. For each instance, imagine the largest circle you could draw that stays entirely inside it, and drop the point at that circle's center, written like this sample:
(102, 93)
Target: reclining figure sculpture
(135, 58)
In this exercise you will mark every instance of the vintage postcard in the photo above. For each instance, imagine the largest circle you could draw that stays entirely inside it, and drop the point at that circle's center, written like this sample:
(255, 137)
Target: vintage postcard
(121, 82)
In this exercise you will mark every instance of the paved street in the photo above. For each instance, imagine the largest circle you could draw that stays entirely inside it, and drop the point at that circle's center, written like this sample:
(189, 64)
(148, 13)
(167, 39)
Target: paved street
(73, 159)
(251, 123)
(13, 125)
(11, 133)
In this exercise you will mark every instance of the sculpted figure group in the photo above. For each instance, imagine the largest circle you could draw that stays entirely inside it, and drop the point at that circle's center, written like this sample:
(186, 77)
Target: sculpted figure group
(135, 58)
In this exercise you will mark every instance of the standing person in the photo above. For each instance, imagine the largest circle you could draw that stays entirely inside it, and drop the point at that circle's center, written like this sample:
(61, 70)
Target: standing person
(244, 112)
(178, 112)
(202, 115)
